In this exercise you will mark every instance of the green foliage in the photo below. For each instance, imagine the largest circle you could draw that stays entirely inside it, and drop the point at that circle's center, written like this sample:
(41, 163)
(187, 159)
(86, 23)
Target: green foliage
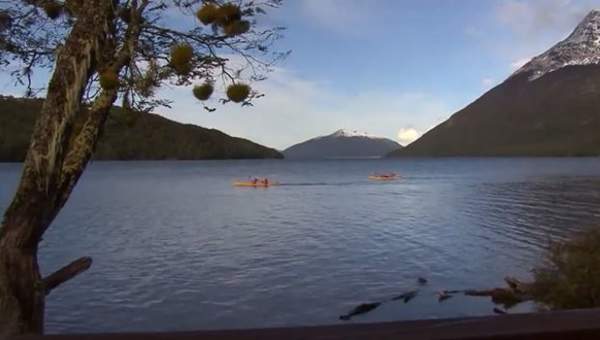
(129, 117)
(208, 13)
(109, 80)
(236, 27)
(570, 278)
(227, 16)
(145, 86)
(181, 54)
(238, 93)
(146, 83)
(204, 91)
(181, 58)
(128, 135)
(16, 125)
(183, 69)
(184, 54)
(53, 9)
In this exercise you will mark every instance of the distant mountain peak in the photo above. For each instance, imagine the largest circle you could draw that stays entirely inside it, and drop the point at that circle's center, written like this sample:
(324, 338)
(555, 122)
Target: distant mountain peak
(555, 115)
(582, 47)
(342, 144)
(349, 133)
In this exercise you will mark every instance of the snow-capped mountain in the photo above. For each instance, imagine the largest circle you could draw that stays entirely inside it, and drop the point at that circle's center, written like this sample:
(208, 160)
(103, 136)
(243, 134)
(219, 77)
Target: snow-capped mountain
(342, 144)
(550, 107)
(350, 133)
(582, 47)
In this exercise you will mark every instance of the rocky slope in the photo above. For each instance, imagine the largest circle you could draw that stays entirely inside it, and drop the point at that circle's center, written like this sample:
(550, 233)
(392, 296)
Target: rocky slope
(549, 107)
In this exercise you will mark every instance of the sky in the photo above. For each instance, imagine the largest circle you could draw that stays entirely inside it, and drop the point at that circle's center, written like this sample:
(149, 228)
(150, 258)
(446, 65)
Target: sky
(391, 68)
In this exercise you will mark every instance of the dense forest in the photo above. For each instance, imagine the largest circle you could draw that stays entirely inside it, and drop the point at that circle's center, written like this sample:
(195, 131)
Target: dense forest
(556, 115)
(129, 136)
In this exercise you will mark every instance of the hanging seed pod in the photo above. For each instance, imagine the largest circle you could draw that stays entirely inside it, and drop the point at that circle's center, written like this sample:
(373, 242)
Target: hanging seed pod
(208, 13)
(181, 54)
(237, 93)
(181, 57)
(228, 13)
(184, 69)
(204, 91)
(236, 28)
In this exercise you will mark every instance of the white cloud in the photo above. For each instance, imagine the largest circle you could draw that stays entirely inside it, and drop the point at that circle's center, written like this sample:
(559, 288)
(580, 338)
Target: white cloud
(526, 28)
(487, 82)
(535, 17)
(295, 109)
(408, 135)
(341, 16)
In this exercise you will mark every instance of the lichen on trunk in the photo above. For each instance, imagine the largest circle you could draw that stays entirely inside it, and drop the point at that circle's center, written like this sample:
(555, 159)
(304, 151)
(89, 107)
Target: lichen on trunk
(45, 185)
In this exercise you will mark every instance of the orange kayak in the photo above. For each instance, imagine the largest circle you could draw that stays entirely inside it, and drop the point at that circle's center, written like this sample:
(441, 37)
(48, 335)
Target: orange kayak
(250, 184)
(383, 177)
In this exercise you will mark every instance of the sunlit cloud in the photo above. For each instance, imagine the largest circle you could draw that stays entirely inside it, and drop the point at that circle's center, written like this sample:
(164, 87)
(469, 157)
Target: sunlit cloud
(408, 135)
(517, 64)
(295, 109)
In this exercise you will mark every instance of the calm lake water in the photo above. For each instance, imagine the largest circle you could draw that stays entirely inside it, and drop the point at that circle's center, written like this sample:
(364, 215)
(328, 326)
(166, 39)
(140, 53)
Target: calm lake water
(175, 247)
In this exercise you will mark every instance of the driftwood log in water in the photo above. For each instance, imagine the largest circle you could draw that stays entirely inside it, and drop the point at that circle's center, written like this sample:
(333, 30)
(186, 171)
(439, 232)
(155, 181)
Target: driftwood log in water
(500, 296)
(515, 293)
(406, 297)
(367, 307)
(444, 295)
(360, 309)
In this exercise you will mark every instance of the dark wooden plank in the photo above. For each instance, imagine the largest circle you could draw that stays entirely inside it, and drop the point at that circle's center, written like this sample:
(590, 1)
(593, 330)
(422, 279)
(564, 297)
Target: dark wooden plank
(579, 324)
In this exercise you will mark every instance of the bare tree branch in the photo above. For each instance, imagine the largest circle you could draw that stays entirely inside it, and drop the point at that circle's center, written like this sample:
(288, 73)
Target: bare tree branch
(66, 273)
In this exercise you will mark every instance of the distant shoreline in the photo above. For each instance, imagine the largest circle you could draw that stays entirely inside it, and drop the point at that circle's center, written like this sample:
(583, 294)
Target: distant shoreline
(325, 159)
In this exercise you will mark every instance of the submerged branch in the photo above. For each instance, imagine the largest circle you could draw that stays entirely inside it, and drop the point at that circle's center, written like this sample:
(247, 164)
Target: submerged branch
(516, 292)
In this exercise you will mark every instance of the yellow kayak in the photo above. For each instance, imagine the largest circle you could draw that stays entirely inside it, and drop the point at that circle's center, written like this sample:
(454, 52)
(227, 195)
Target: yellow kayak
(250, 184)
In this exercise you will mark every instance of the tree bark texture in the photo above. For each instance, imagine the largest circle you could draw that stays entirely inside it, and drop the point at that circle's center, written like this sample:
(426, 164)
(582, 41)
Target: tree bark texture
(56, 159)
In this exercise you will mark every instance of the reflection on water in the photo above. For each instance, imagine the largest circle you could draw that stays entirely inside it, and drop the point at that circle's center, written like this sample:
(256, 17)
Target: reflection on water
(176, 247)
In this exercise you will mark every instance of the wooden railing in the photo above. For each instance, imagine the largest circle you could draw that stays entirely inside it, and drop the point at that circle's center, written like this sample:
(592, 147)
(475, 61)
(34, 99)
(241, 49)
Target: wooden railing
(569, 325)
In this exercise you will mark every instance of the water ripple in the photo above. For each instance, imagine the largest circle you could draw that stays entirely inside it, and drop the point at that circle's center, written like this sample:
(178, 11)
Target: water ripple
(175, 247)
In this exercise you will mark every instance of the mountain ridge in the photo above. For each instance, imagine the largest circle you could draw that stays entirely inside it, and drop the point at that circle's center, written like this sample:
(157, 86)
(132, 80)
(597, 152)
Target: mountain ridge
(581, 47)
(342, 144)
(549, 107)
(130, 136)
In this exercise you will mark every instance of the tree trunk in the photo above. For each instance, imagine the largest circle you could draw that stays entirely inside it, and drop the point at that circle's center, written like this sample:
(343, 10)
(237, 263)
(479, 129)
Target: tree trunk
(54, 162)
